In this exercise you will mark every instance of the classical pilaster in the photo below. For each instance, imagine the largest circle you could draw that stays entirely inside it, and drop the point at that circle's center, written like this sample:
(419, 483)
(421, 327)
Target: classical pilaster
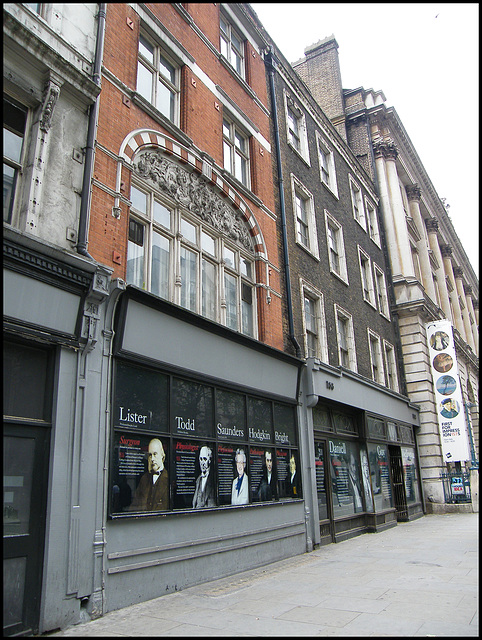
(396, 225)
(386, 209)
(446, 251)
(413, 195)
(42, 143)
(432, 229)
(471, 315)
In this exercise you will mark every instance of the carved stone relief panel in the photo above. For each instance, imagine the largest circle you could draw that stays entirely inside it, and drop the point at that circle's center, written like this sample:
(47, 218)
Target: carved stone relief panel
(194, 194)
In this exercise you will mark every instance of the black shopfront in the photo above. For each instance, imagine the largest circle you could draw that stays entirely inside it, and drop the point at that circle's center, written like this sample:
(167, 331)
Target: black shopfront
(189, 419)
(203, 455)
(366, 471)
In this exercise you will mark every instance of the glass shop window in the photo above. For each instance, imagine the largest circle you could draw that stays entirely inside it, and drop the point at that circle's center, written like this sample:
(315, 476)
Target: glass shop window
(380, 476)
(182, 444)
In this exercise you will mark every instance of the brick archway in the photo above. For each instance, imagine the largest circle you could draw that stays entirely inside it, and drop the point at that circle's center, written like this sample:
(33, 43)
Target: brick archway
(141, 139)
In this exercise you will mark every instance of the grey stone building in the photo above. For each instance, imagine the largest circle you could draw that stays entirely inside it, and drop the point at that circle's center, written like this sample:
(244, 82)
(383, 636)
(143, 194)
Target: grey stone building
(431, 277)
(53, 295)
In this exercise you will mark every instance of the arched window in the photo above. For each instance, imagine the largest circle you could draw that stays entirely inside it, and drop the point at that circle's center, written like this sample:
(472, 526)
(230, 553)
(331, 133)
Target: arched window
(187, 244)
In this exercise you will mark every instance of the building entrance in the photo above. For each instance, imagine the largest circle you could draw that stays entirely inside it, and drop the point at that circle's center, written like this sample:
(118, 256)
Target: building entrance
(26, 437)
(398, 482)
(323, 491)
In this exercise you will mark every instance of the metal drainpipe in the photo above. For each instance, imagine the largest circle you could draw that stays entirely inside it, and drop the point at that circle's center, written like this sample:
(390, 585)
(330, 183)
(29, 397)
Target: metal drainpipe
(271, 69)
(91, 132)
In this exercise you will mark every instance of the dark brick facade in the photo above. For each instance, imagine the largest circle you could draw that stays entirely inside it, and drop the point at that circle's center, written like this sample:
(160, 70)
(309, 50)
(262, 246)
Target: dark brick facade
(316, 272)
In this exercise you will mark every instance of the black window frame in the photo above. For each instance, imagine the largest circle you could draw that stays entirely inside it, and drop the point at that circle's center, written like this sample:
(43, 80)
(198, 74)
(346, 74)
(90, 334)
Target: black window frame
(279, 442)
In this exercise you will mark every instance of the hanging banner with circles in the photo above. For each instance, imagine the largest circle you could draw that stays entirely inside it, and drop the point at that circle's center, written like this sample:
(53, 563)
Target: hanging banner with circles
(448, 394)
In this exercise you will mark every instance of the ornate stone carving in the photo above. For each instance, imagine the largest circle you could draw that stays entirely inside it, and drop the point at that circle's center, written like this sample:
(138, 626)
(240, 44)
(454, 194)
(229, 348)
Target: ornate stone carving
(413, 192)
(446, 250)
(458, 272)
(432, 225)
(468, 290)
(52, 94)
(193, 193)
(383, 149)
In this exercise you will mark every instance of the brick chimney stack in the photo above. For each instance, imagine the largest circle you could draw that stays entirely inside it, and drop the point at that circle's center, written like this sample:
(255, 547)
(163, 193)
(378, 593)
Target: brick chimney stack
(320, 71)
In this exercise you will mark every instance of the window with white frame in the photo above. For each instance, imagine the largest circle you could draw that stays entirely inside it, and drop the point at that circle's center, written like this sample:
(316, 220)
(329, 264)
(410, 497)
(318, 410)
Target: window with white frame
(304, 213)
(185, 261)
(345, 338)
(236, 151)
(366, 277)
(35, 6)
(377, 371)
(232, 45)
(403, 194)
(14, 127)
(390, 366)
(357, 203)
(372, 220)
(314, 323)
(416, 263)
(327, 164)
(437, 291)
(381, 290)
(296, 127)
(158, 78)
(336, 247)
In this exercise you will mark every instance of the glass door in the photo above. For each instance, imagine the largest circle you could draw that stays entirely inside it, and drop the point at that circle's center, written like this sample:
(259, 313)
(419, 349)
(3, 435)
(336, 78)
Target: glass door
(27, 393)
(24, 494)
(324, 497)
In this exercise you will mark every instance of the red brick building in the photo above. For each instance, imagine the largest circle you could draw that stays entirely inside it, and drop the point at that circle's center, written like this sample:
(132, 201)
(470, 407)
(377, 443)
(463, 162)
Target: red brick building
(183, 213)
(173, 93)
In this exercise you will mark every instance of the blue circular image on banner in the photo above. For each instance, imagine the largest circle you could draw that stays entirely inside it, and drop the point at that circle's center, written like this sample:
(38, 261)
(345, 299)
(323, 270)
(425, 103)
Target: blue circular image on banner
(446, 385)
(449, 408)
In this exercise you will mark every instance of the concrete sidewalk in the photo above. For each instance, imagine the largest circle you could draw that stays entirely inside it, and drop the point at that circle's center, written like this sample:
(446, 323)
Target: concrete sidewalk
(417, 579)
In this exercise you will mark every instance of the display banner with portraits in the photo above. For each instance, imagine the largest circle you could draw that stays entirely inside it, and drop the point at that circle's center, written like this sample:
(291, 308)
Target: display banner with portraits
(182, 444)
(448, 394)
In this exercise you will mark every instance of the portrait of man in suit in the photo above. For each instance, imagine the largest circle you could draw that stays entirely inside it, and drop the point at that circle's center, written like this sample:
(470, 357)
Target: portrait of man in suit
(152, 493)
(204, 495)
(268, 488)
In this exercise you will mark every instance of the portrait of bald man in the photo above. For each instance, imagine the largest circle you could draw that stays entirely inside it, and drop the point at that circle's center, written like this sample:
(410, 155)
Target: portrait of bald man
(152, 493)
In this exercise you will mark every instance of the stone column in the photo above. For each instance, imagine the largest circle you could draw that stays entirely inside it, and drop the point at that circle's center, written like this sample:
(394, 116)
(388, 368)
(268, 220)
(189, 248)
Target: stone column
(386, 208)
(446, 251)
(459, 283)
(398, 213)
(413, 194)
(476, 311)
(473, 325)
(432, 228)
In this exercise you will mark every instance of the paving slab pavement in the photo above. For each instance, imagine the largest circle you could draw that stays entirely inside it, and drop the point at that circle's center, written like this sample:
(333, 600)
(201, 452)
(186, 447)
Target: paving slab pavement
(417, 579)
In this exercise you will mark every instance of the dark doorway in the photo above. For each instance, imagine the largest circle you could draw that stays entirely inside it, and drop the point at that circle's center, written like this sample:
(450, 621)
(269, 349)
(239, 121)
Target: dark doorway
(26, 437)
(398, 483)
(324, 493)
